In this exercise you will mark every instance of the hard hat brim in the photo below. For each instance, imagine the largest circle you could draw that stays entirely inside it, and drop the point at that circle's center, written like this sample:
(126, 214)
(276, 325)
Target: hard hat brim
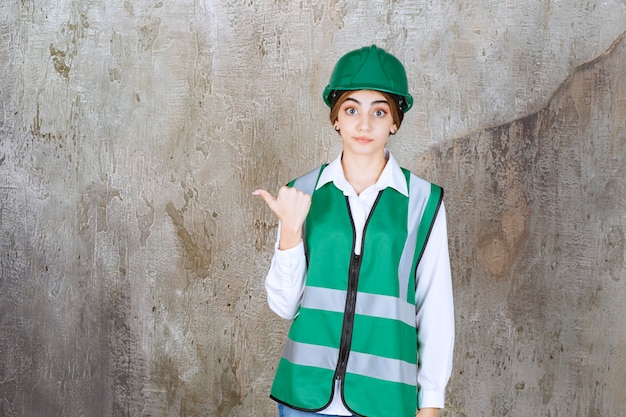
(405, 106)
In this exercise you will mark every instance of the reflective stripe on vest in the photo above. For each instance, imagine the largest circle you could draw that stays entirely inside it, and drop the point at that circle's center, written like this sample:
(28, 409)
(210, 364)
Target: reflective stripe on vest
(373, 305)
(360, 363)
(379, 377)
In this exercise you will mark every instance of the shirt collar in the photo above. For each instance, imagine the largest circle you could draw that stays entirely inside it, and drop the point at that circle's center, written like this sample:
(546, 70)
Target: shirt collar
(392, 176)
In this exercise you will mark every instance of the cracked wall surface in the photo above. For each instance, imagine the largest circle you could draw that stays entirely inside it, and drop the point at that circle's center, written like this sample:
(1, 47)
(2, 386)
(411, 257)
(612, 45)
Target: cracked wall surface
(132, 255)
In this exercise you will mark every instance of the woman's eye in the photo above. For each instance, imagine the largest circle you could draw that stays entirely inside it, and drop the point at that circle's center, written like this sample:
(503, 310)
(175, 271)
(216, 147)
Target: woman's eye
(351, 110)
(380, 113)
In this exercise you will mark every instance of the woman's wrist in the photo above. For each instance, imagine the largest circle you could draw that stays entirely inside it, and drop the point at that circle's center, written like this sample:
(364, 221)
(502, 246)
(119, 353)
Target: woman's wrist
(289, 239)
(427, 412)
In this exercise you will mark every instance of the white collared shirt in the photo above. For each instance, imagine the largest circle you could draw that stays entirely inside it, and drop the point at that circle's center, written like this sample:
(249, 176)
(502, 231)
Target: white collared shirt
(285, 283)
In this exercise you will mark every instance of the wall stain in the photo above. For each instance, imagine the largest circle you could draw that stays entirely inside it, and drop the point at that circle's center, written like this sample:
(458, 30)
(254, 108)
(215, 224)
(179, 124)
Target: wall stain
(148, 33)
(502, 237)
(116, 53)
(230, 389)
(198, 259)
(145, 222)
(36, 129)
(58, 60)
(337, 10)
(71, 32)
(612, 253)
(265, 231)
(317, 10)
(125, 365)
(92, 209)
(128, 6)
(165, 375)
(493, 249)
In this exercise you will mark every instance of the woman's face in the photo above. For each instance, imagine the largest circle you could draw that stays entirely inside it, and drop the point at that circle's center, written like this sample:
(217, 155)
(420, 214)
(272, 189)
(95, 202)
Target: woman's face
(364, 122)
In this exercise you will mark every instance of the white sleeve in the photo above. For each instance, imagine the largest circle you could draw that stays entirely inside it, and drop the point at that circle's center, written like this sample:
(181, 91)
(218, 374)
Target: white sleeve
(285, 280)
(435, 317)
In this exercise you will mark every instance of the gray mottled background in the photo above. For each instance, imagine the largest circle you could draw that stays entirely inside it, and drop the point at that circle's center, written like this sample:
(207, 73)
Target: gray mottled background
(132, 255)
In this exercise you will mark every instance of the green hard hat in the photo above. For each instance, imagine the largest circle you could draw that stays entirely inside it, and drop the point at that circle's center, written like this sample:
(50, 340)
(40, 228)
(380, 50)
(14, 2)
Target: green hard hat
(370, 68)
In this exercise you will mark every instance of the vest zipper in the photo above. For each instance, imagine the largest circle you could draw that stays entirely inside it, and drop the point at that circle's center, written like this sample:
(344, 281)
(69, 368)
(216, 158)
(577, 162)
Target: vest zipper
(353, 280)
(348, 320)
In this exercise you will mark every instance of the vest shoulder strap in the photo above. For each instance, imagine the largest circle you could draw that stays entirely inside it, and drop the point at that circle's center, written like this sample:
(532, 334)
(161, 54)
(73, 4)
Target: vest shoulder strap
(308, 181)
(306, 184)
(427, 222)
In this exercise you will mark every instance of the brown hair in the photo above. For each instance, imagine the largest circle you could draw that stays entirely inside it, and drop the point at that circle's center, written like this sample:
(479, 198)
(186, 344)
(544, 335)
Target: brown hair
(339, 97)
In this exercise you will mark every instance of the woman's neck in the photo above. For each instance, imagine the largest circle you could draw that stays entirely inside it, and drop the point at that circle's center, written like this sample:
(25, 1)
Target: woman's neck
(361, 171)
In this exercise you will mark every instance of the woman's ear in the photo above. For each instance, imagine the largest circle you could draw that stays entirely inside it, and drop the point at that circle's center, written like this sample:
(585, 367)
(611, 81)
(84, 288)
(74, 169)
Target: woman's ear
(393, 129)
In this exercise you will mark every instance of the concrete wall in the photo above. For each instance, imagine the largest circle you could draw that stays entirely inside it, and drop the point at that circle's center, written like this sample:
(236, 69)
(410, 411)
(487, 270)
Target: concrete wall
(132, 255)
(538, 223)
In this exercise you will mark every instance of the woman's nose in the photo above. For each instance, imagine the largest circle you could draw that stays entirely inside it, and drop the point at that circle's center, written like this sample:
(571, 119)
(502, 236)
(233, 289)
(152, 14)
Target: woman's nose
(364, 122)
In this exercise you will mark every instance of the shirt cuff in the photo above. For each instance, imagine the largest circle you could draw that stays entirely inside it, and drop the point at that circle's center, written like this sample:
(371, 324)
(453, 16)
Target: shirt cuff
(295, 251)
(288, 259)
(431, 399)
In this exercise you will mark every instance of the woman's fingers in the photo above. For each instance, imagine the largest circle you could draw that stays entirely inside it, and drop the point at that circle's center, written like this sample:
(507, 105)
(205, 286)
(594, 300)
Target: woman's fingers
(290, 205)
(266, 196)
(294, 204)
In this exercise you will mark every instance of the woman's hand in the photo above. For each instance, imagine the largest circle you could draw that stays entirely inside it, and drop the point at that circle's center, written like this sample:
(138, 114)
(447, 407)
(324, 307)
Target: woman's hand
(427, 412)
(291, 206)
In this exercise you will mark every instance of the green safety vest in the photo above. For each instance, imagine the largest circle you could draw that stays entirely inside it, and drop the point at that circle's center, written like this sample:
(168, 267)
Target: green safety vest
(356, 323)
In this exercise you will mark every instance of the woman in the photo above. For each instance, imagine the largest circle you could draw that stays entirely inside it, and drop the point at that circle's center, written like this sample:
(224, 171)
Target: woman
(361, 264)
